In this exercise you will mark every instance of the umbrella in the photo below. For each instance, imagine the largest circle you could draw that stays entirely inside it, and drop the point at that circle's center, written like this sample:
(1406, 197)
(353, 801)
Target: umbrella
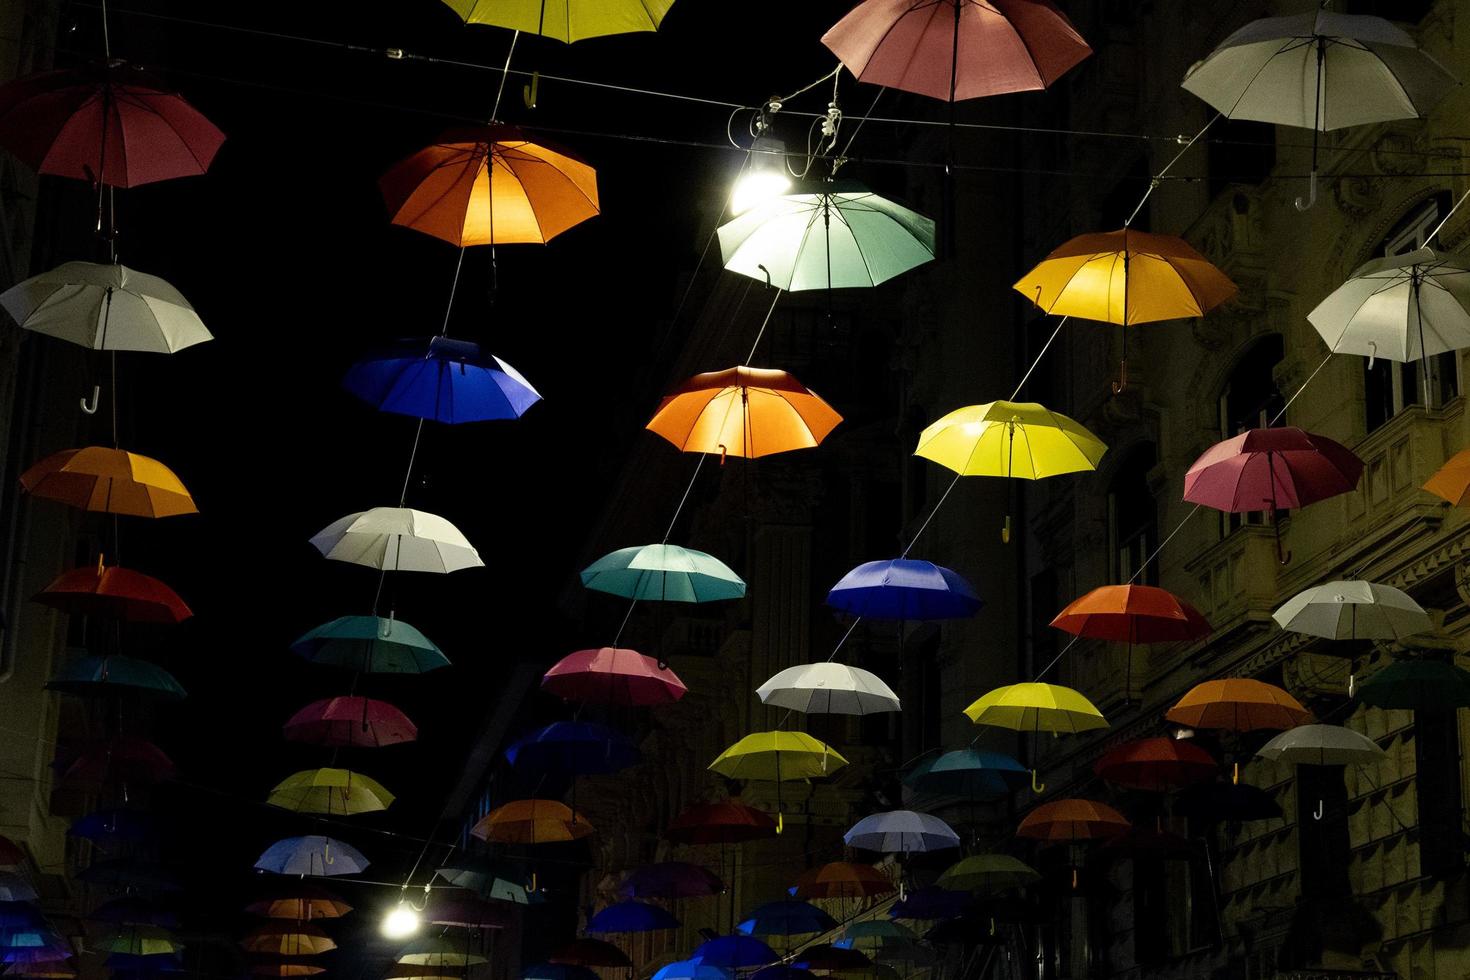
(129, 759)
(670, 879)
(372, 645)
(988, 873)
(930, 903)
(336, 792)
(111, 828)
(461, 909)
(786, 918)
(137, 941)
(877, 932)
(399, 539)
(825, 956)
(743, 411)
(1322, 745)
(842, 879)
(43, 954)
(1417, 685)
(438, 951)
(629, 917)
(1132, 614)
(901, 832)
(313, 855)
(1353, 610)
(129, 872)
(1066, 821)
(578, 747)
(438, 378)
(299, 901)
(112, 124)
(565, 20)
(21, 915)
(970, 773)
(1236, 802)
(733, 953)
(778, 756)
(112, 481)
(687, 970)
(14, 888)
(134, 911)
(558, 971)
(1452, 480)
(725, 822)
(826, 234)
(90, 677)
(904, 589)
(1156, 765)
(593, 953)
(613, 675)
(115, 592)
(486, 879)
(1238, 704)
(286, 968)
(828, 688)
(532, 822)
(490, 185)
(288, 939)
(408, 971)
(1271, 469)
(105, 307)
(664, 572)
(350, 721)
(1036, 707)
(987, 47)
(780, 971)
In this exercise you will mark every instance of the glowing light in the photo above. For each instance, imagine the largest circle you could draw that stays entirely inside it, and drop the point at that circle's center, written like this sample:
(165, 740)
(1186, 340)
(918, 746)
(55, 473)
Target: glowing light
(401, 922)
(766, 176)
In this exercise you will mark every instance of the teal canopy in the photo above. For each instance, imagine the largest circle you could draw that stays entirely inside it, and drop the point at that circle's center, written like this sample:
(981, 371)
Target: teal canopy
(90, 676)
(654, 572)
(371, 644)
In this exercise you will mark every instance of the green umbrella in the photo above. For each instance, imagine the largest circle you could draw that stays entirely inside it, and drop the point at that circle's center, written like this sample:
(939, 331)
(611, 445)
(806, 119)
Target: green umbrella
(663, 571)
(371, 644)
(486, 879)
(137, 941)
(878, 932)
(90, 676)
(987, 873)
(1417, 685)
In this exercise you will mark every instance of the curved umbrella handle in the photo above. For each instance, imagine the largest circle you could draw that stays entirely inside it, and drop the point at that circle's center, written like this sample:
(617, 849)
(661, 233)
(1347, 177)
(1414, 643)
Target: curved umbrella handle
(780, 821)
(1121, 385)
(723, 451)
(1036, 787)
(327, 854)
(528, 92)
(992, 925)
(1005, 531)
(1311, 198)
(90, 407)
(1317, 814)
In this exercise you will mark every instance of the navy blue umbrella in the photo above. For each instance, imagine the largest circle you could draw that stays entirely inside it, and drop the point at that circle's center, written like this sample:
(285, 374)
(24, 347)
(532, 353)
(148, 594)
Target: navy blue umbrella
(577, 747)
(932, 902)
(733, 953)
(970, 773)
(786, 919)
(631, 917)
(113, 827)
(904, 588)
(690, 970)
(441, 379)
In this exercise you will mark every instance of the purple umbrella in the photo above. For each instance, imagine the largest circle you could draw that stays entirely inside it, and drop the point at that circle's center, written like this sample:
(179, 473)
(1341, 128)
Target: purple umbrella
(904, 588)
(670, 879)
(629, 917)
(733, 953)
(314, 855)
(901, 832)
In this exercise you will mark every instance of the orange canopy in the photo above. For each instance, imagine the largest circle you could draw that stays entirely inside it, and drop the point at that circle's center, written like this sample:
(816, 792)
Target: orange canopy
(1238, 704)
(288, 939)
(1132, 614)
(299, 901)
(112, 481)
(1452, 480)
(743, 411)
(532, 822)
(1065, 821)
(842, 879)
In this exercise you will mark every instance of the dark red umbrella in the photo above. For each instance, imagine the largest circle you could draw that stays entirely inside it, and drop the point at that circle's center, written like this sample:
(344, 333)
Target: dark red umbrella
(725, 822)
(670, 879)
(1157, 765)
(1132, 614)
(1271, 469)
(350, 721)
(591, 952)
(613, 675)
(116, 592)
(124, 758)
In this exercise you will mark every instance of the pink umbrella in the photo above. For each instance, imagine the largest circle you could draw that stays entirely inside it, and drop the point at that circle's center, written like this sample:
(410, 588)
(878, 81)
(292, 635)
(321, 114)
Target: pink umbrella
(1271, 469)
(350, 721)
(957, 49)
(613, 675)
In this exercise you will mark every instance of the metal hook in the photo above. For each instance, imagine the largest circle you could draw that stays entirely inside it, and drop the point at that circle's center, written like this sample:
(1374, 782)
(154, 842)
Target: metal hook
(90, 407)
(1311, 198)
(1036, 787)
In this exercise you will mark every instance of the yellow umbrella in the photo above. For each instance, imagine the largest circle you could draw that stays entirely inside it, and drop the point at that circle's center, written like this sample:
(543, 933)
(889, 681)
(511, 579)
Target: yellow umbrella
(288, 939)
(112, 481)
(438, 951)
(1036, 707)
(565, 20)
(339, 792)
(778, 756)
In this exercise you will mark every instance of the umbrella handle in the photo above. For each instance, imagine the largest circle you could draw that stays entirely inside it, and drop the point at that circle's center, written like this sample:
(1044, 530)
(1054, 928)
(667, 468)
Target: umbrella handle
(1036, 787)
(1305, 204)
(1317, 814)
(723, 451)
(780, 821)
(90, 406)
(1121, 385)
(1005, 531)
(528, 92)
(992, 925)
(327, 854)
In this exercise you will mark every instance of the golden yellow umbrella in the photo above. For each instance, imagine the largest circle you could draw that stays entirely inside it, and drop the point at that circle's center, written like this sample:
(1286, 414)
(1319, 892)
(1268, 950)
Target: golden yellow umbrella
(112, 481)
(778, 756)
(438, 951)
(338, 792)
(288, 939)
(532, 822)
(1036, 707)
(743, 411)
(565, 20)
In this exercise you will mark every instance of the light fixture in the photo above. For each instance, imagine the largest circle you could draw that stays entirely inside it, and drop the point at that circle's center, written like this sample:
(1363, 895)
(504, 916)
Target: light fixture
(400, 922)
(765, 176)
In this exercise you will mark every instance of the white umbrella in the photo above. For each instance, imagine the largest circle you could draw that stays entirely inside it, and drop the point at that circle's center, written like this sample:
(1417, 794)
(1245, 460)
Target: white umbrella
(1353, 610)
(829, 688)
(397, 539)
(106, 307)
(1322, 745)
(901, 832)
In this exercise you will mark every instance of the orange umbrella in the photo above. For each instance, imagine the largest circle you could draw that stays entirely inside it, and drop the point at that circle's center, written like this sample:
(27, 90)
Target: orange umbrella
(1452, 480)
(299, 901)
(117, 592)
(532, 822)
(1069, 821)
(743, 411)
(490, 185)
(1238, 704)
(1132, 614)
(288, 939)
(842, 879)
(112, 481)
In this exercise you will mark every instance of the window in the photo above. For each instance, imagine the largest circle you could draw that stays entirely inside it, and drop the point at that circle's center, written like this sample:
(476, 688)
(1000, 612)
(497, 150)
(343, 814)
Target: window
(1239, 152)
(1437, 786)
(1133, 517)
(1251, 400)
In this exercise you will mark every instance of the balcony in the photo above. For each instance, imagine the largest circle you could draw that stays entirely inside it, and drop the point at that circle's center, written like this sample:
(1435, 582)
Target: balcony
(1237, 578)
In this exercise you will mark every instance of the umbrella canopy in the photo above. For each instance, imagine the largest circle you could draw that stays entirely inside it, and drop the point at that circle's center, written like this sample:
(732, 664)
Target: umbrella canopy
(970, 773)
(828, 688)
(1452, 480)
(486, 879)
(593, 953)
(441, 379)
(558, 971)
(826, 234)
(134, 911)
(663, 572)
(778, 756)
(733, 953)
(689, 970)
(1132, 614)
(613, 675)
(842, 879)
(438, 951)
(725, 822)
(1156, 765)
(1034, 707)
(988, 873)
(125, 758)
(137, 941)
(96, 677)
(630, 917)
(904, 589)
(14, 888)
(1023, 440)
(399, 539)
(901, 832)
(461, 909)
(957, 49)
(1322, 745)
(21, 915)
(110, 123)
(105, 828)
(371, 645)
(350, 721)
(878, 931)
(286, 968)
(1064, 821)
(298, 901)
(410, 971)
(114, 592)
(532, 822)
(1271, 469)
(786, 918)
(565, 20)
(780, 971)
(490, 185)
(1236, 802)
(1402, 307)
(1353, 610)
(1238, 704)
(112, 481)
(288, 939)
(105, 307)
(581, 747)
(338, 792)
(930, 903)
(670, 879)
(743, 411)
(1417, 685)
(313, 855)
(129, 872)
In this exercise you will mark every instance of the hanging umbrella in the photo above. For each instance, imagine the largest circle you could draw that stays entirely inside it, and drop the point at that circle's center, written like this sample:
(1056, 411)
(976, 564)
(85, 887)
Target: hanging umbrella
(683, 970)
(110, 123)
(630, 917)
(565, 20)
(133, 911)
(1322, 745)
(107, 829)
(1156, 765)
(592, 953)
(786, 918)
(54, 970)
(334, 792)
(778, 756)
(96, 677)
(490, 185)
(45, 955)
(124, 757)
(114, 592)
(670, 880)
(779, 971)
(930, 903)
(111, 481)
(1034, 707)
(532, 822)
(988, 873)
(576, 747)
(350, 721)
(613, 675)
(1236, 802)
(828, 688)
(442, 379)
(299, 902)
(286, 968)
(21, 915)
(663, 572)
(137, 941)
(486, 879)
(399, 539)
(14, 888)
(842, 879)
(1238, 704)
(559, 971)
(408, 971)
(1353, 610)
(30, 939)
(1067, 821)
(877, 932)
(743, 411)
(105, 307)
(970, 773)
(313, 855)
(904, 589)
(901, 832)
(461, 909)
(1270, 470)
(725, 822)
(371, 645)
(826, 234)
(1452, 480)
(825, 956)
(1132, 614)
(733, 953)
(1417, 685)
(288, 939)
(438, 951)
(129, 873)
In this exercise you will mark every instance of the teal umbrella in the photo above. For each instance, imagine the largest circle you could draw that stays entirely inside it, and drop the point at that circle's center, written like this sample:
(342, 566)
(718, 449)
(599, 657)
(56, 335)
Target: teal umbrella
(486, 879)
(371, 644)
(91, 677)
(663, 572)
(1417, 685)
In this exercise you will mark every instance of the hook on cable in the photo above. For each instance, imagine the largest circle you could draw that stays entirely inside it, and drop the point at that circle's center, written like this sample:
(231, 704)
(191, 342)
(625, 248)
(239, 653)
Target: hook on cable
(90, 406)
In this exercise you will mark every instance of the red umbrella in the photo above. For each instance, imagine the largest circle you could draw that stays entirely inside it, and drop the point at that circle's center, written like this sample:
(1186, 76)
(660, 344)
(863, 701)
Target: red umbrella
(725, 822)
(111, 122)
(116, 592)
(1068, 821)
(350, 721)
(125, 758)
(591, 952)
(1271, 469)
(1132, 614)
(1157, 765)
(613, 675)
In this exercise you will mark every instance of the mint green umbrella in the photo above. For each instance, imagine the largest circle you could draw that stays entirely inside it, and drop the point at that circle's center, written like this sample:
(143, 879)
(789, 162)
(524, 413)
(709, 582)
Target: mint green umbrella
(371, 644)
(663, 571)
(90, 676)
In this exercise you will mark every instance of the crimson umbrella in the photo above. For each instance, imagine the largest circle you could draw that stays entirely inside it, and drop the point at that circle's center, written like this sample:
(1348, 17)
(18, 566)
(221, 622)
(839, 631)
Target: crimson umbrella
(1271, 469)
(1156, 765)
(613, 675)
(725, 822)
(116, 592)
(350, 721)
(670, 879)
(1132, 614)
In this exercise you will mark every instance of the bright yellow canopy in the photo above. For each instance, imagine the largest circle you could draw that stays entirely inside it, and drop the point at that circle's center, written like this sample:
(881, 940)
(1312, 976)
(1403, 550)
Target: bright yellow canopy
(778, 756)
(1036, 708)
(1019, 439)
(339, 792)
(565, 20)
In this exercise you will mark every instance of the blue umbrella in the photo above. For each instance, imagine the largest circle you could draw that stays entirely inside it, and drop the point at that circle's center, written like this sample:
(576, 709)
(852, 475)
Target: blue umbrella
(631, 917)
(574, 747)
(970, 773)
(901, 832)
(130, 873)
(441, 379)
(733, 952)
(314, 855)
(904, 588)
(371, 644)
(486, 879)
(690, 970)
(786, 919)
(94, 677)
(20, 915)
(932, 902)
(558, 971)
(113, 827)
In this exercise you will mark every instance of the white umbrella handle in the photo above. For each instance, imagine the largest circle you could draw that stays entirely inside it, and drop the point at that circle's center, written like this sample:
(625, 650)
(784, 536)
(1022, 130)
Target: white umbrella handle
(1311, 198)
(90, 406)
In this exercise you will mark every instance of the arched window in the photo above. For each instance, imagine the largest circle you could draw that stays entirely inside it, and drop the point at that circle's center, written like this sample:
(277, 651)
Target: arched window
(1250, 400)
(1133, 517)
